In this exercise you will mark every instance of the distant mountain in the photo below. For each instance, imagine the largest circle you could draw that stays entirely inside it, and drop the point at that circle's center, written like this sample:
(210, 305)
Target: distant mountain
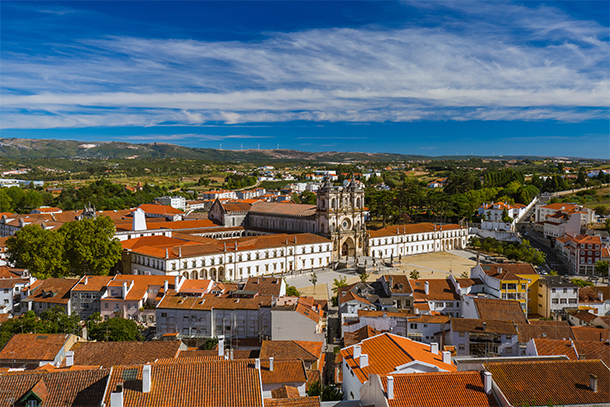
(13, 148)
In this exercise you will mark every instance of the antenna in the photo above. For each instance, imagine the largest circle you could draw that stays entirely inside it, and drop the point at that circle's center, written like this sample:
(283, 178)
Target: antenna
(278, 146)
(221, 146)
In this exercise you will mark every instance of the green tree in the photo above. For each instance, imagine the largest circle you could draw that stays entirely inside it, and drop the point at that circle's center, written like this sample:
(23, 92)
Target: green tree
(6, 203)
(326, 393)
(414, 275)
(292, 291)
(309, 198)
(55, 321)
(338, 283)
(601, 268)
(115, 329)
(364, 276)
(39, 250)
(313, 279)
(90, 245)
(581, 283)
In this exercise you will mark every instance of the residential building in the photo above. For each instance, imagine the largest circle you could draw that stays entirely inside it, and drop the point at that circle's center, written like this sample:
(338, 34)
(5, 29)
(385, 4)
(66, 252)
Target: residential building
(31, 351)
(50, 293)
(440, 389)
(426, 328)
(557, 219)
(278, 373)
(583, 253)
(439, 295)
(493, 215)
(178, 202)
(507, 281)
(482, 337)
(86, 295)
(211, 315)
(494, 310)
(222, 194)
(398, 288)
(564, 382)
(595, 299)
(295, 318)
(543, 330)
(574, 350)
(580, 317)
(273, 286)
(555, 294)
(11, 289)
(161, 211)
(310, 352)
(389, 354)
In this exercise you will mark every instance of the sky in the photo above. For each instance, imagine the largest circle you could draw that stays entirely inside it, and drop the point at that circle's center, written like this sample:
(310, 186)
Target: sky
(415, 77)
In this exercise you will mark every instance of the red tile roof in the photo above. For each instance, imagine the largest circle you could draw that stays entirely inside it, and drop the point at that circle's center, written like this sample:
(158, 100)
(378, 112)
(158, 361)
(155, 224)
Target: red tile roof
(410, 229)
(309, 351)
(79, 388)
(483, 325)
(109, 354)
(264, 285)
(34, 347)
(53, 290)
(284, 371)
(544, 331)
(586, 333)
(438, 289)
(563, 382)
(227, 383)
(159, 209)
(287, 209)
(442, 389)
(387, 351)
(293, 402)
(500, 310)
(546, 347)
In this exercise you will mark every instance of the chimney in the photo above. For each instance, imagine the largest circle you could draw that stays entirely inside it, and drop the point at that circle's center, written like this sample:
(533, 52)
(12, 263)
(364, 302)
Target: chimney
(124, 290)
(593, 382)
(487, 382)
(165, 286)
(166, 253)
(116, 397)
(69, 358)
(600, 295)
(221, 345)
(364, 360)
(257, 364)
(446, 357)
(357, 351)
(484, 326)
(390, 388)
(86, 280)
(180, 251)
(434, 348)
(231, 355)
(146, 378)
(270, 363)
(427, 288)
(177, 284)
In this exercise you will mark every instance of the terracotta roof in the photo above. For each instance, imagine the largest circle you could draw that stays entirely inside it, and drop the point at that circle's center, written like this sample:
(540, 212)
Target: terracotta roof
(285, 392)
(500, 310)
(53, 290)
(109, 354)
(439, 389)
(4, 318)
(11, 272)
(543, 331)
(159, 209)
(586, 333)
(92, 283)
(174, 225)
(562, 382)
(546, 347)
(34, 347)
(264, 285)
(173, 300)
(286, 209)
(284, 371)
(79, 388)
(387, 351)
(389, 314)
(398, 283)
(483, 325)
(309, 351)
(438, 289)
(431, 319)
(410, 229)
(592, 294)
(236, 206)
(12, 282)
(293, 402)
(593, 350)
(348, 296)
(229, 383)
(351, 338)
(190, 359)
(508, 271)
(583, 315)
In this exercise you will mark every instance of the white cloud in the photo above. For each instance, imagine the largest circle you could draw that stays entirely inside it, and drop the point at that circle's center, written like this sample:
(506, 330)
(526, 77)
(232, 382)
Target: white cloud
(465, 69)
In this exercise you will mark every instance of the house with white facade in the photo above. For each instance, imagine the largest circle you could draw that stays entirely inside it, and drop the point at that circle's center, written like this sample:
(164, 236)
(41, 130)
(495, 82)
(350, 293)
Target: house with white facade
(177, 201)
(482, 338)
(297, 318)
(493, 215)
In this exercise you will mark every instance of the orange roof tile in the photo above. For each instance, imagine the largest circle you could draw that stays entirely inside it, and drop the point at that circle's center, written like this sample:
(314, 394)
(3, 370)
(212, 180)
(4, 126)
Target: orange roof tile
(439, 389)
(544, 331)
(53, 290)
(508, 271)
(264, 285)
(293, 402)
(410, 229)
(34, 347)
(159, 209)
(285, 392)
(564, 382)
(593, 350)
(309, 351)
(586, 333)
(387, 351)
(287, 209)
(228, 383)
(78, 388)
(546, 347)
(483, 325)
(109, 354)
(284, 371)
(500, 310)
(438, 289)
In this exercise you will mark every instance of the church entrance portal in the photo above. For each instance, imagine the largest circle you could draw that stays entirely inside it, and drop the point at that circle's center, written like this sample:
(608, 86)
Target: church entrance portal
(348, 248)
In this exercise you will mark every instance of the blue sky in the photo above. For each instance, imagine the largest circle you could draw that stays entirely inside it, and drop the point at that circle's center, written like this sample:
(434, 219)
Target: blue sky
(415, 77)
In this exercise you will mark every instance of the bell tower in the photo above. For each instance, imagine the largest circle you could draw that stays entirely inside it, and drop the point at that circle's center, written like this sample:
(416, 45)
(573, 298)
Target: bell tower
(340, 217)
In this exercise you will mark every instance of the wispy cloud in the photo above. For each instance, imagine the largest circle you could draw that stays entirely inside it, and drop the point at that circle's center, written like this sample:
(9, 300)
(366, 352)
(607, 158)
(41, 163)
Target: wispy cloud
(464, 69)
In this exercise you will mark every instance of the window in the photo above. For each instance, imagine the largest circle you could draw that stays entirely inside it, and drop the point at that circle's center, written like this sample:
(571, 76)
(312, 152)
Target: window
(32, 403)
(563, 301)
(555, 301)
(412, 326)
(461, 346)
(462, 334)
(572, 301)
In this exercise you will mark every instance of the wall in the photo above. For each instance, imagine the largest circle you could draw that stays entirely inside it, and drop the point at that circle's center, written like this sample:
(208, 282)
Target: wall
(291, 325)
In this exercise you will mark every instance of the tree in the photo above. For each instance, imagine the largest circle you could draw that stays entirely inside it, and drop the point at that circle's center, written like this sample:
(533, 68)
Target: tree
(313, 279)
(115, 329)
(338, 283)
(6, 203)
(600, 209)
(601, 268)
(465, 275)
(581, 283)
(55, 321)
(364, 276)
(414, 275)
(292, 291)
(309, 198)
(326, 393)
(39, 250)
(90, 245)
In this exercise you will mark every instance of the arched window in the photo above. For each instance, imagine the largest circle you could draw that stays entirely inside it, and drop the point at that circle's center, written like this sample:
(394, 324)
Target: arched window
(333, 204)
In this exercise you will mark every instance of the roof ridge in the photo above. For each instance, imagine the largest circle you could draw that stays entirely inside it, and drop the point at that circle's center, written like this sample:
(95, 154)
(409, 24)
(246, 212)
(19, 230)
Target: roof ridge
(301, 346)
(400, 347)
